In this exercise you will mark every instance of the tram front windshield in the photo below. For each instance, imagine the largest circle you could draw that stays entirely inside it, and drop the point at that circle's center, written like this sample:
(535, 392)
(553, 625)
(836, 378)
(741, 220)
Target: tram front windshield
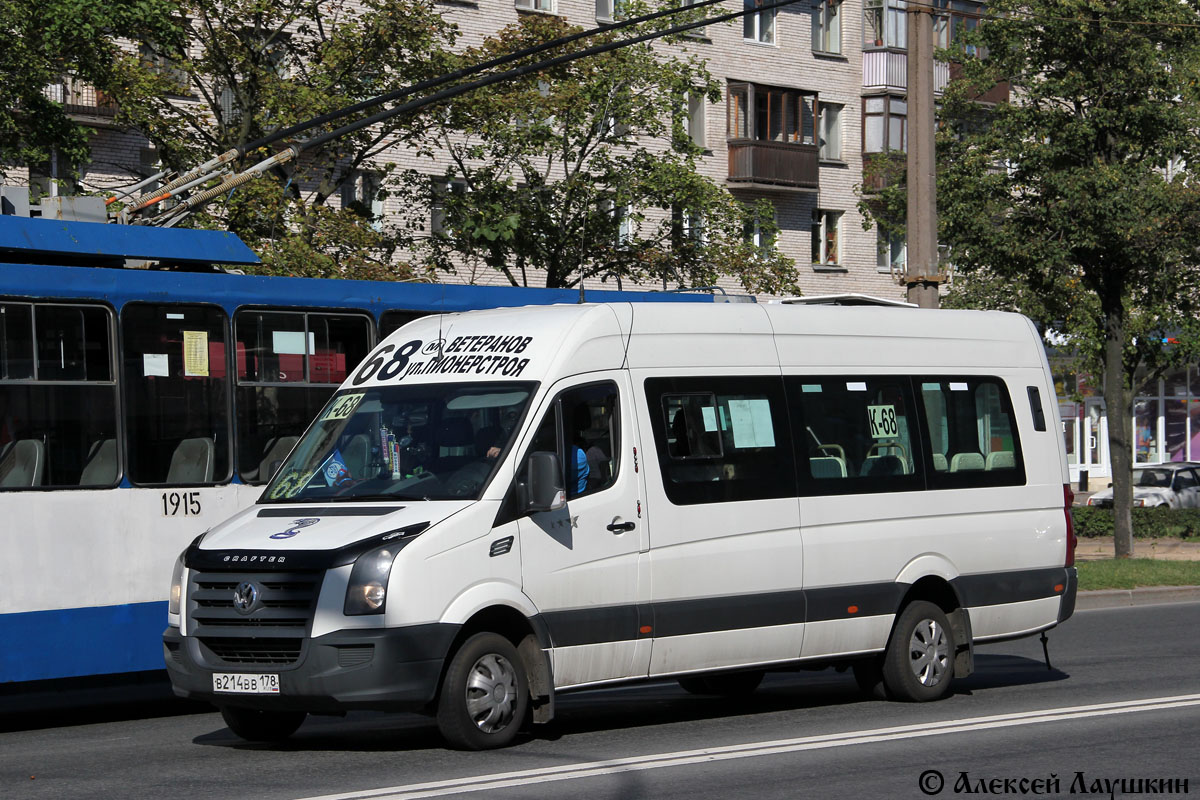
(422, 442)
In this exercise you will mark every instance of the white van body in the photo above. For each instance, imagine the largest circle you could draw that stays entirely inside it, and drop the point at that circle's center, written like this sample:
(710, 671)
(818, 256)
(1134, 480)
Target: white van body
(774, 486)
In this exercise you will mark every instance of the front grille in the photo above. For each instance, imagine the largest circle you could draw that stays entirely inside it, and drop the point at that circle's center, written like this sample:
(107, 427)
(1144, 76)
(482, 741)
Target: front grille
(253, 650)
(275, 626)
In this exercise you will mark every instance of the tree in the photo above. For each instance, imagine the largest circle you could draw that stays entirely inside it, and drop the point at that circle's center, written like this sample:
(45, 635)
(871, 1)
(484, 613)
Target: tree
(587, 170)
(1077, 201)
(47, 40)
(245, 68)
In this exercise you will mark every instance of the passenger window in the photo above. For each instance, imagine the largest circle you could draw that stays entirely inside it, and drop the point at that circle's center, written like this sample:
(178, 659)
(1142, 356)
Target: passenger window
(856, 434)
(58, 399)
(288, 365)
(721, 439)
(972, 437)
(582, 426)
(177, 389)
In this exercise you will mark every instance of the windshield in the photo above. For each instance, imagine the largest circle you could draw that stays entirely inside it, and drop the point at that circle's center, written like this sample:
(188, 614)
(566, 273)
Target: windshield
(1152, 477)
(428, 442)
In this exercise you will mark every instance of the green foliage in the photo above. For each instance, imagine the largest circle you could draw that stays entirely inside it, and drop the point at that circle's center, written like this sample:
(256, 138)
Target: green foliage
(1077, 201)
(1148, 523)
(43, 41)
(243, 69)
(540, 168)
(1130, 573)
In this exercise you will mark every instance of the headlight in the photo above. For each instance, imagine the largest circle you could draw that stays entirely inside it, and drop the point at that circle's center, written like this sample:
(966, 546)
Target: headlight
(176, 587)
(367, 592)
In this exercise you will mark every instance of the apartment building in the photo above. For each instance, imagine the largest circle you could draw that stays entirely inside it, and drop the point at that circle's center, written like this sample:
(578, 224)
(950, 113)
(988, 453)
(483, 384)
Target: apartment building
(810, 91)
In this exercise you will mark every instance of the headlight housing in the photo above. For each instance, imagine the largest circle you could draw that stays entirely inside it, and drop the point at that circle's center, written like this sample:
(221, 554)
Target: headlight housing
(175, 601)
(367, 592)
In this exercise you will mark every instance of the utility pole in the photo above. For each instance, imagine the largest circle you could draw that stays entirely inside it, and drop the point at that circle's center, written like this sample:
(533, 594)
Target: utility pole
(922, 275)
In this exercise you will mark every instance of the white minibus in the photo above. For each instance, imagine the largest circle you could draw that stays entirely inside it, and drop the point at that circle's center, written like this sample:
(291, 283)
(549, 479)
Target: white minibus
(498, 506)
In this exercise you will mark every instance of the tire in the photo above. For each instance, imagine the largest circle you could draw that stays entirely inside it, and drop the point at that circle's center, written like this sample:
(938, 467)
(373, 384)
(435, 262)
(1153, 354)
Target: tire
(254, 725)
(485, 695)
(868, 674)
(729, 684)
(919, 663)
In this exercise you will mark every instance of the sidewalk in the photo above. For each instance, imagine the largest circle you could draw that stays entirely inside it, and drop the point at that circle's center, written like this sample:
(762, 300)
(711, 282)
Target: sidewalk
(1095, 549)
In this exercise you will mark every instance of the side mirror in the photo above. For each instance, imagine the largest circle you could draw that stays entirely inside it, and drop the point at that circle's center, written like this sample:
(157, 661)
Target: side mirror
(1110, 486)
(544, 490)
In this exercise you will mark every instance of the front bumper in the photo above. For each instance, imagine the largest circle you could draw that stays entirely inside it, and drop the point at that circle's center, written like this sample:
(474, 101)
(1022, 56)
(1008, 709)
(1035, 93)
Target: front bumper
(387, 670)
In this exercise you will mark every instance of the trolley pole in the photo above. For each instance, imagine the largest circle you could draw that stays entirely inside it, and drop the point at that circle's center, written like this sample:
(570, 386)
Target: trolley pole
(922, 275)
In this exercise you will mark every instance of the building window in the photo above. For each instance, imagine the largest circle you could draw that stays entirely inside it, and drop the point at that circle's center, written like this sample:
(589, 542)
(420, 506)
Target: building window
(758, 26)
(884, 124)
(826, 230)
(538, 5)
(153, 60)
(606, 10)
(696, 118)
(891, 252)
(437, 205)
(884, 23)
(761, 238)
(827, 26)
(830, 132)
(362, 193)
(956, 17)
(693, 226)
(779, 115)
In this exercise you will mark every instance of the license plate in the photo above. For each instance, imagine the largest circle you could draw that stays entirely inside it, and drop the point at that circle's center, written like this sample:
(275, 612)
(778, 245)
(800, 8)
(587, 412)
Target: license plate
(241, 683)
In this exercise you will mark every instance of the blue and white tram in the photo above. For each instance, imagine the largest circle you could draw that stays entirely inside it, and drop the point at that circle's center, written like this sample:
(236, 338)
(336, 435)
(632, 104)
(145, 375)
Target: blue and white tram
(139, 407)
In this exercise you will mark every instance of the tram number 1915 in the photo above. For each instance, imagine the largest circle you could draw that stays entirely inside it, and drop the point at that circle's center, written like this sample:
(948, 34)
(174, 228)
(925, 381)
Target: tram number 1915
(181, 504)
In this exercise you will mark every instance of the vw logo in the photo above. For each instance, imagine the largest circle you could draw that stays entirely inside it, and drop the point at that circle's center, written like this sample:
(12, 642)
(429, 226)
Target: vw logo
(245, 597)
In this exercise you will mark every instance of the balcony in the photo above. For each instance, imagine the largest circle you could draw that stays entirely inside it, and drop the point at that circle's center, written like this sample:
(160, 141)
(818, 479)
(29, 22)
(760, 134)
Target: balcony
(888, 69)
(82, 101)
(754, 162)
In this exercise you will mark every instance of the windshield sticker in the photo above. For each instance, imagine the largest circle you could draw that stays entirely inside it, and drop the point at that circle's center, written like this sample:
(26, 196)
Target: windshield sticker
(344, 406)
(289, 485)
(883, 422)
(474, 355)
(295, 529)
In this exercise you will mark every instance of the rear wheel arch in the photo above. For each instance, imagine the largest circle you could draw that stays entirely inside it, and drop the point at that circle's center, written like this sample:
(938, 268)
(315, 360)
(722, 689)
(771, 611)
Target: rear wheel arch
(937, 590)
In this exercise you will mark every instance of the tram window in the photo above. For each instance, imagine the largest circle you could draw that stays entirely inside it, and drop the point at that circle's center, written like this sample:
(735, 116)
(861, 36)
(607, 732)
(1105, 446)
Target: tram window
(391, 321)
(288, 364)
(58, 399)
(177, 389)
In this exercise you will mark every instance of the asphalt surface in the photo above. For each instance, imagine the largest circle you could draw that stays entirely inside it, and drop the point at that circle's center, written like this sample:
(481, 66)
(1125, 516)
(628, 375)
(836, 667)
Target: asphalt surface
(1122, 701)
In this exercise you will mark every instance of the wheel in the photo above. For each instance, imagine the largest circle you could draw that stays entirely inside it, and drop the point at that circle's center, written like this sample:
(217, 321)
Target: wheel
(254, 725)
(919, 662)
(868, 674)
(485, 695)
(729, 684)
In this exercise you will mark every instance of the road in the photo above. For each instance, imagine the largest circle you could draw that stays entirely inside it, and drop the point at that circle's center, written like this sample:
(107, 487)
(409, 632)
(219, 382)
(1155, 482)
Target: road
(1122, 702)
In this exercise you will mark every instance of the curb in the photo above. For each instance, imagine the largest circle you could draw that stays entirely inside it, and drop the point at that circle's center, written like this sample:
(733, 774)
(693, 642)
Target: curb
(1145, 596)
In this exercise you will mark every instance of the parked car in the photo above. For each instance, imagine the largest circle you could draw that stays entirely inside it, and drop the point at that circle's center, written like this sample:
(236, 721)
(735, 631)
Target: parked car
(1173, 485)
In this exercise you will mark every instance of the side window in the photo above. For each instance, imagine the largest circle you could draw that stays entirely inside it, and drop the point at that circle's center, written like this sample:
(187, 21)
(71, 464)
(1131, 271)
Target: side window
(856, 434)
(58, 396)
(1186, 480)
(721, 439)
(582, 426)
(972, 436)
(288, 365)
(177, 389)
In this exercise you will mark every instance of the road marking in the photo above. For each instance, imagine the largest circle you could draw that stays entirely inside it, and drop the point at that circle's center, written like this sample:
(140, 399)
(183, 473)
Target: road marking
(593, 769)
